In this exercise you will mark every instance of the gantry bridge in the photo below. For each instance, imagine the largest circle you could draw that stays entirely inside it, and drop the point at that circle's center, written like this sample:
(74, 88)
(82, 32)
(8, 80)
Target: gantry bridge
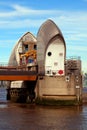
(10, 73)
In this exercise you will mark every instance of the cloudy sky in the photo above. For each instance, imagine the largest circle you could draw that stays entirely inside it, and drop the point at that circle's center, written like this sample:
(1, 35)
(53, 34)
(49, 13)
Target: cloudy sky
(20, 16)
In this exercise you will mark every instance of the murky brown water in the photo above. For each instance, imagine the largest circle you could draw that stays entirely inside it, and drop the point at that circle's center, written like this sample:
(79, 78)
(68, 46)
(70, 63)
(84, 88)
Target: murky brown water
(31, 117)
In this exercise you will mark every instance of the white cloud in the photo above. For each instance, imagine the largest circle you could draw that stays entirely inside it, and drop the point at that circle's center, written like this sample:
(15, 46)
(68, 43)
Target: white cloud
(70, 37)
(25, 23)
(18, 10)
(77, 48)
(7, 43)
(65, 19)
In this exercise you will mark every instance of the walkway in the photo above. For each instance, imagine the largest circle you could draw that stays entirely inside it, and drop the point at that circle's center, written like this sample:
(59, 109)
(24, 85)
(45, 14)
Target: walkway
(9, 73)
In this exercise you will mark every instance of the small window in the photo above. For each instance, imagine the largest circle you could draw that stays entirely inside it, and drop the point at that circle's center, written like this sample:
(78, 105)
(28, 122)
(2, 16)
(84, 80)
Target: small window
(49, 53)
(26, 47)
(35, 47)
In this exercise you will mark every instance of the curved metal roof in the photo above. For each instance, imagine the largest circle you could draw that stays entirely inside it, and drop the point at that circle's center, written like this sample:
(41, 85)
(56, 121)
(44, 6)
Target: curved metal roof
(13, 59)
(46, 33)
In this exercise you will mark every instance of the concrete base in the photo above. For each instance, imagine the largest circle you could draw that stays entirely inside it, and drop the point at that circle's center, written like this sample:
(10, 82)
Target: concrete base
(53, 102)
(57, 89)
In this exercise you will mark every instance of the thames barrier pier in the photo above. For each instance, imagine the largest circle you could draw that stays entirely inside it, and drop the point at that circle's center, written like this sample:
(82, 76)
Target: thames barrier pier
(57, 79)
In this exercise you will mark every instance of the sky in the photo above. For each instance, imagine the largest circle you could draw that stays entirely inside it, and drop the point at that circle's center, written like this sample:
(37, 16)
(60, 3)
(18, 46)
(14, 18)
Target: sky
(21, 16)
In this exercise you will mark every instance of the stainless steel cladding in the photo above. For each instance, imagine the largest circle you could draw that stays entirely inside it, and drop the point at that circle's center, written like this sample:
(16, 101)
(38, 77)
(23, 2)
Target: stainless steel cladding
(51, 50)
(26, 39)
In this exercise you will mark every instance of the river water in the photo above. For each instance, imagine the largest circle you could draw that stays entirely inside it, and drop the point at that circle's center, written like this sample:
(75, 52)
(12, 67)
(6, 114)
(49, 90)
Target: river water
(15, 116)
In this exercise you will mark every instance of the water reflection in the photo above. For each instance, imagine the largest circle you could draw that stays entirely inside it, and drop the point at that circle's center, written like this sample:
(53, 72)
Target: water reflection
(15, 116)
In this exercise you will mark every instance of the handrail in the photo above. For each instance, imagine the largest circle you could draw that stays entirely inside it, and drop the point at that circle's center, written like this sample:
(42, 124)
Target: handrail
(15, 67)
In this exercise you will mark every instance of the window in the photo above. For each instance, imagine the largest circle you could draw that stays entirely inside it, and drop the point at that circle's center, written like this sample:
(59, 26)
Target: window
(35, 47)
(49, 53)
(26, 47)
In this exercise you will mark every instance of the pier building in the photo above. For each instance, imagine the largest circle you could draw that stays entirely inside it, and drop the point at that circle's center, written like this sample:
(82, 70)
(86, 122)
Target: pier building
(57, 78)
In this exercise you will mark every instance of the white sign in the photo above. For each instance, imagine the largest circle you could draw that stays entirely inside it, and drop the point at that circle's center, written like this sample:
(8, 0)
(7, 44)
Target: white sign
(77, 86)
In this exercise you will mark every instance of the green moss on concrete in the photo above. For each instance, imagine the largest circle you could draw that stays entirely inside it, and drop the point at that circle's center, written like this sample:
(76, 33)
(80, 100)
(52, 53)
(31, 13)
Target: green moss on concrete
(53, 102)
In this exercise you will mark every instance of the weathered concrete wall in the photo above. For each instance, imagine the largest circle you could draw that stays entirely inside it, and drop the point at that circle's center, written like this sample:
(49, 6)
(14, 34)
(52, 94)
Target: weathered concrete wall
(57, 88)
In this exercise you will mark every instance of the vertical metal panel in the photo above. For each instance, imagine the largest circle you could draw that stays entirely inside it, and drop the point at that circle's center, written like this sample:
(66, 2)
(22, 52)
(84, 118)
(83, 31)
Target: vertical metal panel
(47, 31)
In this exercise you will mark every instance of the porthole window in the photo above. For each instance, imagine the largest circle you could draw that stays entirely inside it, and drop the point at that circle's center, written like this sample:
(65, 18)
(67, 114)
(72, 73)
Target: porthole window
(49, 53)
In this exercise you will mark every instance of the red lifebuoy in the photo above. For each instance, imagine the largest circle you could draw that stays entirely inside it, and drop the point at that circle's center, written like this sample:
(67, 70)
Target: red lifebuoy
(60, 71)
